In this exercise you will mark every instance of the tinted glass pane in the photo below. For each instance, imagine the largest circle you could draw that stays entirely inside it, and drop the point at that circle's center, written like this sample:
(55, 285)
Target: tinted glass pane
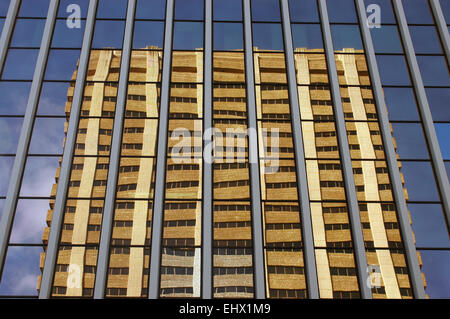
(21, 272)
(39, 176)
(112, 9)
(14, 97)
(386, 39)
(29, 221)
(419, 181)
(387, 13)
(435, 266)
(401, 104)
(48, 136)
(410, 141)
(393, 70)
(303, 10)
(443, 134)
(228, 36)
(33, 8)
(307, 36)
(341, 11)
(53, 98)
(188, 36)
(265, 10)
(155, 9)
(28, 33)
(6, 165)
(425, 39)
(64, 37)
(62, 64)
(445, 5)
(9, 133)
(346, 36)
(4, 5)
(230, 10)
(143, 38)
(67, 8)
(434, 70)
(417, 11)
(189, 9)
(267, 36)
(20, 64)
(429, 225)
(438, 101)
(108, 34)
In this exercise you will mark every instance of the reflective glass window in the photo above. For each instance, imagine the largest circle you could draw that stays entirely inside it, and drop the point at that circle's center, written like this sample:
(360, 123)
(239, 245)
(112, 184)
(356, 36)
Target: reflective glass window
(434, 70)
(307, 36)
(189, 9)
(6, 165)
(230, 10)
(48, 136)
(386, 39)
(346, 36)
(39, 176)
(28, 33)
(33, 8)
(108, 34)
(67, 8)
(429, 225)
(435, 265)
(64, 37)
(393, 70)
(142, 38)
(188, 35)
(410, 141)
(438, 100)
(228, 36)
(401, 104)
(417, 12)
(385, 6)
(266, 10)
(267, 36)
(425, 39)
(21, 271)
(112, 9)
(62, 64)
(20, 64)
(155, 9)
(14, 97)
(10, 133)
(419, 181)
(304, 10)
(342, 11)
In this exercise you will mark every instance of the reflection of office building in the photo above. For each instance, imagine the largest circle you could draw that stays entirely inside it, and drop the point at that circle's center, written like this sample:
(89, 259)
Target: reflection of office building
(329, 143)
(180, 271)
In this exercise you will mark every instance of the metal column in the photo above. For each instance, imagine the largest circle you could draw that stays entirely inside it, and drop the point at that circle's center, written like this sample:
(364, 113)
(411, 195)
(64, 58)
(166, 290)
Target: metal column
(424, 109)
(391, 156)
(66, 165)
(27, 129)
(207, 209)
(258, 240)
(8, 30)
(303, 194)
(114, 162)
(158, 206)
(355, 220)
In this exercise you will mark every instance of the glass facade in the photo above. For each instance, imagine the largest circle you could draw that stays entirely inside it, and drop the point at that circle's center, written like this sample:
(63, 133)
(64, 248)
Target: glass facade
(104, 106)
